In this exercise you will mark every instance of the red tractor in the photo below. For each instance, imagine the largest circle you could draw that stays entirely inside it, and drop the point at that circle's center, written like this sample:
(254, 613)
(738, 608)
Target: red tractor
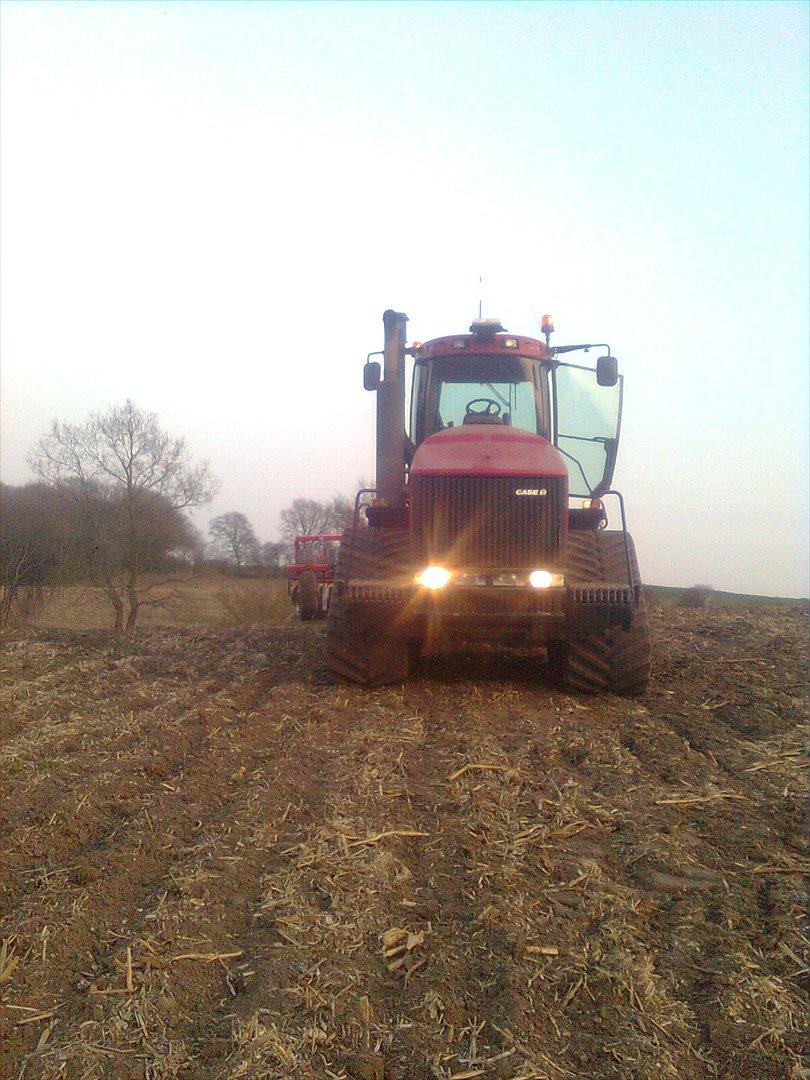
(310, 577)
(487, 521)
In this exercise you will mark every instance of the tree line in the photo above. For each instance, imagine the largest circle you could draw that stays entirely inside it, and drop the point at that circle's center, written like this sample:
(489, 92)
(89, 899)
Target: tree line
(232, 539)
(108, 509)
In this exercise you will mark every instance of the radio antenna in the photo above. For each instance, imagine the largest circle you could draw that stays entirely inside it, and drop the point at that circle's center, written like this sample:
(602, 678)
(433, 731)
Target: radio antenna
(480, 295)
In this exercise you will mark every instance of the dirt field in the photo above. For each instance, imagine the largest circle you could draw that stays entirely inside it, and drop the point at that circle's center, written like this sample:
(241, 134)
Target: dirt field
(218, 864)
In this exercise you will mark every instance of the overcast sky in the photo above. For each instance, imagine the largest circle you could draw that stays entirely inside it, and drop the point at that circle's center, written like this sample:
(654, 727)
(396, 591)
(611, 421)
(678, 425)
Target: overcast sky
(206, 207)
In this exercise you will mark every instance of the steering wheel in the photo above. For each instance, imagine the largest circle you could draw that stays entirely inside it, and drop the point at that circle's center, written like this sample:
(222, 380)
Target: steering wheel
(493, 408)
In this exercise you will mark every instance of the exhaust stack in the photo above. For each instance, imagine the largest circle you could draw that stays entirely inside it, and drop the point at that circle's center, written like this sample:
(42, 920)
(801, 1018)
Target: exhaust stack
(391, 412)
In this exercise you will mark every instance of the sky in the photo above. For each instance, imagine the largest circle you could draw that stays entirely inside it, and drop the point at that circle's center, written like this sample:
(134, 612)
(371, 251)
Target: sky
(206, 207)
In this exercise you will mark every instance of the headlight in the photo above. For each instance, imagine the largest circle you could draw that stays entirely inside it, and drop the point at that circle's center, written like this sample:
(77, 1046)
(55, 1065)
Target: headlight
(544, 579)
(434, 577)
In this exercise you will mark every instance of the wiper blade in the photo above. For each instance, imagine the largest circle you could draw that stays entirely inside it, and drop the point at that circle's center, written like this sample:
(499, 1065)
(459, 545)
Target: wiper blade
(498, 394)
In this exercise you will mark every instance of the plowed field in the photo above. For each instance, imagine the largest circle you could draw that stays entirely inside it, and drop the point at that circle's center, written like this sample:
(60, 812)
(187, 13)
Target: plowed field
(218, 864)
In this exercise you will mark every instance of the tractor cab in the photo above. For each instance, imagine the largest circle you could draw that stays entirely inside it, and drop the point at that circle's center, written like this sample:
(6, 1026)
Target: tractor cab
(491, 379)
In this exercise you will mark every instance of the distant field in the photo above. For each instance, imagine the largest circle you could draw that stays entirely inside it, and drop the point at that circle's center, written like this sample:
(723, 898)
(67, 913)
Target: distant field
(193, 600)
(672, 594)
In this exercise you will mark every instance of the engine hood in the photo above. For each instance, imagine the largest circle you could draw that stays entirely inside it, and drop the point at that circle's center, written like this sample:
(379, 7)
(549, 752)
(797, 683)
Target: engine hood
(487, 450)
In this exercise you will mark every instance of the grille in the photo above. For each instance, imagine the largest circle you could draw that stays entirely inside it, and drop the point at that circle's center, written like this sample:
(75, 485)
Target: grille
(481, 521)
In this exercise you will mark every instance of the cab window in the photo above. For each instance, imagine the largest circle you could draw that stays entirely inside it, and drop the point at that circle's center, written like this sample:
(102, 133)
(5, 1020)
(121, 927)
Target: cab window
(509, 389)
(588, 422)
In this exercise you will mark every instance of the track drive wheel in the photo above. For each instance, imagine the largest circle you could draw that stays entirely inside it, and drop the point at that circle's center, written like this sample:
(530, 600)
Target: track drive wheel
(309, 606)
(359, 650)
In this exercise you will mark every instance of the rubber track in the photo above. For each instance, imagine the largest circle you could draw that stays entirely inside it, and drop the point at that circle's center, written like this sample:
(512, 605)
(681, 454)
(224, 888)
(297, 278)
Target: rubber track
(360, 652)
(367, 553)
(615, 660)
(599, 557)
(358, 648)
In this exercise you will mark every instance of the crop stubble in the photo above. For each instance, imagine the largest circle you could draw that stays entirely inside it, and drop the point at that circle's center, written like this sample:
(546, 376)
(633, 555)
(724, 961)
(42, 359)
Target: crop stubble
(218, 864)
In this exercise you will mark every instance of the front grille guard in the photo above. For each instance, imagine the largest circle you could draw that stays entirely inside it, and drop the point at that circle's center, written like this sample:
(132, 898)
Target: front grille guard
(635, 587)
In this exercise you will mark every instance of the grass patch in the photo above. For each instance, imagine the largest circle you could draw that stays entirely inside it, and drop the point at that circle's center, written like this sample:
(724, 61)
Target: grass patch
(190, 600)
(248, 602)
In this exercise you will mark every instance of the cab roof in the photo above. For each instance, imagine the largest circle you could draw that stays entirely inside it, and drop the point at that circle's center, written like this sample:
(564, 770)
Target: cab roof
(482, 345)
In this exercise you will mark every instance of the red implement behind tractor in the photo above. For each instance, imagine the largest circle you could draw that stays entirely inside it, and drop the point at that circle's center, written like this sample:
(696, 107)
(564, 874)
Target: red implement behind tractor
(488, 522)
(311, 576)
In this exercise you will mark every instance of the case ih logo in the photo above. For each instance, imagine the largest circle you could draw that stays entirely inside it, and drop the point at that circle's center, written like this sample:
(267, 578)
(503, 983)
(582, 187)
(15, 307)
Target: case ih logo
(530, 491)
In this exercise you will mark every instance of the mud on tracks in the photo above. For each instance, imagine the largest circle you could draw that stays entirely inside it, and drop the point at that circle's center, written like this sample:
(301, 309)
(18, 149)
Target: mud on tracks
(218, 864)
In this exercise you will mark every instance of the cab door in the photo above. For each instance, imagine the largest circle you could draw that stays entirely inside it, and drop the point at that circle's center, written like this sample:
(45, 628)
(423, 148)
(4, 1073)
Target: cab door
(587, 421)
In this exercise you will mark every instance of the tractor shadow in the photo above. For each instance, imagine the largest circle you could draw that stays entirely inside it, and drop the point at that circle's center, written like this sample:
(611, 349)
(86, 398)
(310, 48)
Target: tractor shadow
(486, 664)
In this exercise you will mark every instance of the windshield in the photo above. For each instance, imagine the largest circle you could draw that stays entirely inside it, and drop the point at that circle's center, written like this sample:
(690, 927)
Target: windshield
(509, 390)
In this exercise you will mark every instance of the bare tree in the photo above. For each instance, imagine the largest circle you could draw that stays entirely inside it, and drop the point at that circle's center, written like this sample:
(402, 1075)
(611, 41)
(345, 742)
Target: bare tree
(232, 537)
(305, 517)
(308, 517)
(132, 481)
(341, 513)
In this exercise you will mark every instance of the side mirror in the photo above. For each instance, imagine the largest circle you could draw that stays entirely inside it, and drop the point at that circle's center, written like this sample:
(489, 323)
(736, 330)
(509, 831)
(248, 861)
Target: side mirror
(607, 370)
(371, 375)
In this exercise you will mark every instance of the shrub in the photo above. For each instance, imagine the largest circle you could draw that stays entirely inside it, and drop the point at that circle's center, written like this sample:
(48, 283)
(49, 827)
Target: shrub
(696, 596)
(20, 605)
